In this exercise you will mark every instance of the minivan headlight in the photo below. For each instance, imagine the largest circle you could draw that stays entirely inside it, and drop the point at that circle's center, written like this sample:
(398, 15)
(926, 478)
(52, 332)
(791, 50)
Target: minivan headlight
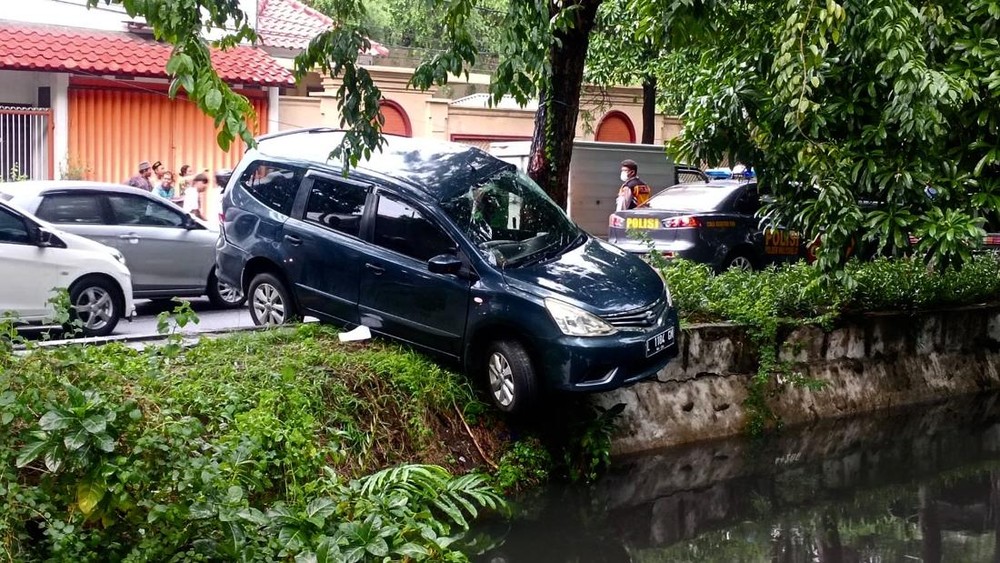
(574, 321)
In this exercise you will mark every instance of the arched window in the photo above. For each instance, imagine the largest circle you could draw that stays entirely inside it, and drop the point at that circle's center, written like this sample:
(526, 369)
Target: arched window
(616, 127)
(396, 120)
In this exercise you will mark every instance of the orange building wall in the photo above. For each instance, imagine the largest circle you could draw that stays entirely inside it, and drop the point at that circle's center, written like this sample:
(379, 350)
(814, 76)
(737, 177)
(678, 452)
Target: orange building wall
(112, 129)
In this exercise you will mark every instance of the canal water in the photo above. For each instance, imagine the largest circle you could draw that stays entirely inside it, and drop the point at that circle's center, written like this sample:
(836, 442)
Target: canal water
(920, 484)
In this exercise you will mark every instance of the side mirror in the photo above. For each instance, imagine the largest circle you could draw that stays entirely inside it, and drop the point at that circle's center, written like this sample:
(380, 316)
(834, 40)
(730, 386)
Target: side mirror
(444, 264)
(45, 239)
(190, 224)
(34, 234)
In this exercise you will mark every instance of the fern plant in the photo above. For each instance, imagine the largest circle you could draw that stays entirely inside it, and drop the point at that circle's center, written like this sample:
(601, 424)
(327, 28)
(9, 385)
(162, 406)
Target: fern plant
(410, 512)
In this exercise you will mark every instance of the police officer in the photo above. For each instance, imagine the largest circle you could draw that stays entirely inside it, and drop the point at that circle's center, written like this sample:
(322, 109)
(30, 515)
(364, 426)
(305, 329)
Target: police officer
(634, 192)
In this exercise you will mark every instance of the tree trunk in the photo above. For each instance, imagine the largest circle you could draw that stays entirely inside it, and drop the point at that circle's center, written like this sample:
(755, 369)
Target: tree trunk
(648, 109)
(559, 103)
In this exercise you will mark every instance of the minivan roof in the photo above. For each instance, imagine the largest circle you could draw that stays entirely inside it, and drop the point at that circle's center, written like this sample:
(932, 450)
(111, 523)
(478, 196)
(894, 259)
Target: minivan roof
(437, 168)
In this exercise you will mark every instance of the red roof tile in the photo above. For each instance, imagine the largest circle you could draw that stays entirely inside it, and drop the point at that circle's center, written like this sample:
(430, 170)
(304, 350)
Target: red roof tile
(86, 51)
(290, 24)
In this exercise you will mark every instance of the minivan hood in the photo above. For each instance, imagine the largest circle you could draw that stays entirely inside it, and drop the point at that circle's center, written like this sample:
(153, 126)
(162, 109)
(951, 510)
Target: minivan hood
(595, 275)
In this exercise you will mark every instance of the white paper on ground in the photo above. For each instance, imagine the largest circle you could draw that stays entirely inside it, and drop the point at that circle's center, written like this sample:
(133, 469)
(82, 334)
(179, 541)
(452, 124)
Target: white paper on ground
(360, 333)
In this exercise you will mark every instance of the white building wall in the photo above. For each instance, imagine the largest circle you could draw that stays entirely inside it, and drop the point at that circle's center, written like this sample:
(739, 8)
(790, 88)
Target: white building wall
(17, 87)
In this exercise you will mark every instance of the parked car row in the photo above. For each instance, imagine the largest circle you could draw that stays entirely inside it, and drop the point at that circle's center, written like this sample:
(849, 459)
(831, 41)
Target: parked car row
(167, 252)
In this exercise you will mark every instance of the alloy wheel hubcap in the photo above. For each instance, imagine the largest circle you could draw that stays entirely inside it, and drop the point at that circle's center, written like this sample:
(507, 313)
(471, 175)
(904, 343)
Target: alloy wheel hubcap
(229, 294)
(741, 263)
(95, 307)
(501, 379)
(268, 305)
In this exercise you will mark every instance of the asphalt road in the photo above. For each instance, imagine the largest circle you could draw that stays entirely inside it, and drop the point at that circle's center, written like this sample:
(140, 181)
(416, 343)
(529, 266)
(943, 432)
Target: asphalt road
(144, 323)
(209, 318)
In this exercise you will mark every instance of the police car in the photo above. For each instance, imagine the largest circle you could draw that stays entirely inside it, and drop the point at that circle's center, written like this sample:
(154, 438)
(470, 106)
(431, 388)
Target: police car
(710, 222)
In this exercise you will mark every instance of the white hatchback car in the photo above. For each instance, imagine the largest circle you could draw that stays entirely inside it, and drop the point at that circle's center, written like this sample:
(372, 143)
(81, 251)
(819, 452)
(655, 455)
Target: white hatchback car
(36, 260)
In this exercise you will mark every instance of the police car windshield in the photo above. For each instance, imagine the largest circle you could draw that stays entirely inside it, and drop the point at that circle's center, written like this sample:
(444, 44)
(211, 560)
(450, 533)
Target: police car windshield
(510, 220)
(690, 198)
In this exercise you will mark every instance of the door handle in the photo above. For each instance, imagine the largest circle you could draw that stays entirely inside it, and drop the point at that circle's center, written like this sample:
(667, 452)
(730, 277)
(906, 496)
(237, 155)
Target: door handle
(377, 270)
(293, 240)
(133, 238)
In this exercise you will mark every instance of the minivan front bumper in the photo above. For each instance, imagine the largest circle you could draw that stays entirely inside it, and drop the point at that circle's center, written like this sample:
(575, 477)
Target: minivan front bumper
(607, 362)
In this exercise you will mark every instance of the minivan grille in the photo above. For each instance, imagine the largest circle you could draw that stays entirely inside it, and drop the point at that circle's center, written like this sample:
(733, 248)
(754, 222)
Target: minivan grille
(638, 318)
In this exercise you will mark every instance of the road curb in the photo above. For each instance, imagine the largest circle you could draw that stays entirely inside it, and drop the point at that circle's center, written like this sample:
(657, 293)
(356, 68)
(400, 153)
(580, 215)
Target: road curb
(133, 338)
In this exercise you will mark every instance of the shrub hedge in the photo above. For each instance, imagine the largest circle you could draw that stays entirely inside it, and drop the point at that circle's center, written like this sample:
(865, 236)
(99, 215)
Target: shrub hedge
(269, 446)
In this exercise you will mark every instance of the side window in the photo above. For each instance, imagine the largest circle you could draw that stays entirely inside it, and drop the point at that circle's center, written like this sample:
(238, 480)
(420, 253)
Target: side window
(273, 185)
(12, 229)
(336, 205)
(749, 202)
(83, 209)
(136, 210)
(402, 228)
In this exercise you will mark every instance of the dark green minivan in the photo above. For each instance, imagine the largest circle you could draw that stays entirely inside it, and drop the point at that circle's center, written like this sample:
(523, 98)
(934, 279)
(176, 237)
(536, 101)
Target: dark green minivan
(449, 249)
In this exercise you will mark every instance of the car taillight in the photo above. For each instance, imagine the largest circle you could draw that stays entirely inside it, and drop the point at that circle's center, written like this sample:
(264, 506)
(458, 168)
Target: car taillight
(222, 217)
(686, 222)
(616, 222)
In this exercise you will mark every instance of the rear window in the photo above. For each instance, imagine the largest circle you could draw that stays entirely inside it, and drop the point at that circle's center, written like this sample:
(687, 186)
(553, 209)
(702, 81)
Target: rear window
(274, 185)
(690, 198)
(72, 209)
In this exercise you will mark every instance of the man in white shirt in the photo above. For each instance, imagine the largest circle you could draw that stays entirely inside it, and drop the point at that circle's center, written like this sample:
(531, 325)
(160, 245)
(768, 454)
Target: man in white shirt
(193, 196)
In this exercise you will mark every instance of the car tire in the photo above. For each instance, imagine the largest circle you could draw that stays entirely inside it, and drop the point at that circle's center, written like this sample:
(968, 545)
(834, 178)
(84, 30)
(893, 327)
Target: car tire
(96, 306)
(270, 301)
(222, 295)
(510, 377)
(738, 261)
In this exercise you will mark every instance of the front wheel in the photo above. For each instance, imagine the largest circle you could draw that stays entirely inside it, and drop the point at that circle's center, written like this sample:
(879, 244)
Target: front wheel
(96, 304)
(223, 295)
(270, 301)
(513, 383)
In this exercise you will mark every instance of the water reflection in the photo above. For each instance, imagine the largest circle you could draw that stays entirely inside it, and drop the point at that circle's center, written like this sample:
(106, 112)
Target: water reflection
(920, 484)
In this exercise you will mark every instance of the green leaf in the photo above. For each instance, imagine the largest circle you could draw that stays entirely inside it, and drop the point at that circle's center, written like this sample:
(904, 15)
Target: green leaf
(6, 418)
(105, 443)
(30, 452)
(75, 440)
(53, 461)
(95, 424)
(414, 551)
(213, 100)
(321, 508)
(53, 420)
(88, 495)
(254, 516)
(234, 494)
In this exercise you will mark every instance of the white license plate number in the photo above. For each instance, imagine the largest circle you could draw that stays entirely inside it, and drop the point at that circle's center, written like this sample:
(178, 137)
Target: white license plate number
(657, 343)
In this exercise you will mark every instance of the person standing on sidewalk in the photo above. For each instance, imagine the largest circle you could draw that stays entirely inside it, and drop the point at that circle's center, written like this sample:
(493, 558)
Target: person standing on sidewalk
(141, 180)
(194, 196)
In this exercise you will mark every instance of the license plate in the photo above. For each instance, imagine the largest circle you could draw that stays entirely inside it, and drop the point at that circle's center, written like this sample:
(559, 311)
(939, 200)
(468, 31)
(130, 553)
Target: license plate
(659, 342)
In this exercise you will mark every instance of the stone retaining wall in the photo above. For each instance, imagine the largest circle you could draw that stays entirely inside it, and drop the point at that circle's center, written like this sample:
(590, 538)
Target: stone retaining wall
(868, 362)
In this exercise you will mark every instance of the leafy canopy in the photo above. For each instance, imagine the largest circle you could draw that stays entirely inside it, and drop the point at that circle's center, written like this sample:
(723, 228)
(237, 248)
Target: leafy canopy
(869, 122)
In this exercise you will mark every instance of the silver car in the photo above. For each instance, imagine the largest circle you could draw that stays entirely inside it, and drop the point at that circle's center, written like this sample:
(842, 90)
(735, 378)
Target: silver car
(170, 253)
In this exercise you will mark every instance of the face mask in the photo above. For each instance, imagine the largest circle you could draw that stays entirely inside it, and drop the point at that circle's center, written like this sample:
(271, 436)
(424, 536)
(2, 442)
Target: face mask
(624, 176)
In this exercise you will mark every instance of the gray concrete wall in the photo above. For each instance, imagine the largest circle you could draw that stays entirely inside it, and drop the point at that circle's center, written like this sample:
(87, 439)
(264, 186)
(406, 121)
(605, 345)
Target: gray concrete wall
(867, 363)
